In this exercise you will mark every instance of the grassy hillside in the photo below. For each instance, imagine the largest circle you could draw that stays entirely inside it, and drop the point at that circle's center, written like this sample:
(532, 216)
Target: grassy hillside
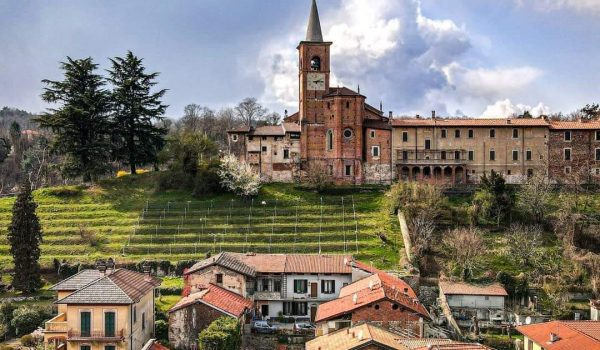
(127, 219)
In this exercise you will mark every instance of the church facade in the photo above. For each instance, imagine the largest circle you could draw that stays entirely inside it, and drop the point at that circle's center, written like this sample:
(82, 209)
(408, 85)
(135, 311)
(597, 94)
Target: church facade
(339, 132)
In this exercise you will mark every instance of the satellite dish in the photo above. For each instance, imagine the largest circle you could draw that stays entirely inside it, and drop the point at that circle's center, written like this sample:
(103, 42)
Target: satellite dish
(528, 320)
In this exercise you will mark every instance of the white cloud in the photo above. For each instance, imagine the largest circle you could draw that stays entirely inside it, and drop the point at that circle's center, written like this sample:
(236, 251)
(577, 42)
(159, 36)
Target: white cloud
(395, 53)
(505, 108)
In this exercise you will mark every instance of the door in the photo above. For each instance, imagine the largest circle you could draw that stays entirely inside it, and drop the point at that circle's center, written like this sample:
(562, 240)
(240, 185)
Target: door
(86, 323)
(313, 290)
(264, 310)
(313, 313)
(109, 324)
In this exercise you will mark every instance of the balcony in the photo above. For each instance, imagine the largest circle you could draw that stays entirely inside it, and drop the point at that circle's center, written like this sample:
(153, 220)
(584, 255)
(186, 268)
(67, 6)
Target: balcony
(265, 295)
(57, 325)
(431, 157)
(76, 335)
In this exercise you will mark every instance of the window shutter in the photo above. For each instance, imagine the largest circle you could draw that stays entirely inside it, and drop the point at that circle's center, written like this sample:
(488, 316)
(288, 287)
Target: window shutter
(332, 286)
(85, 324)
(109, 324)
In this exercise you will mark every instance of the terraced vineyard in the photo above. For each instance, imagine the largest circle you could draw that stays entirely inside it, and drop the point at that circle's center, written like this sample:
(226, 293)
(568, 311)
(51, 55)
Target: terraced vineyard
(125, 218)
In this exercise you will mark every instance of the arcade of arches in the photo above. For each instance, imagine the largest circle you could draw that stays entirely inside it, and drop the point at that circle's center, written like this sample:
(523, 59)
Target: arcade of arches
(447, 174)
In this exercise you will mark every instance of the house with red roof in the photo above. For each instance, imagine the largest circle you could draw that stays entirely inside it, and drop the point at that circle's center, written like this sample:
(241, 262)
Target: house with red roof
(379, 298)
(196, 311)
(469, 301)
(562, 335)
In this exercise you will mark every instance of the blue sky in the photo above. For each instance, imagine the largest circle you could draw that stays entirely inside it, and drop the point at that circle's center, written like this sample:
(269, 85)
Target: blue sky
(471, 57)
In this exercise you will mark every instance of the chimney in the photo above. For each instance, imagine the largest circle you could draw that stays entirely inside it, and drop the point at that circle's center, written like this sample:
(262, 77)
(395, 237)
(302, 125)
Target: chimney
(405, 291)
(147, 272)
(554, 338)
(432, 114)
(110, 265)
(371, 285)
(508, 121)
(355, 298)
(390, 114)
(418, 116)
(101, 266)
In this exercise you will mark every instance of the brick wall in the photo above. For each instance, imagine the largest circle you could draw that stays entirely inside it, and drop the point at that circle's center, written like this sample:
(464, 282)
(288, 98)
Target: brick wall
(384, 312)
(583, 165)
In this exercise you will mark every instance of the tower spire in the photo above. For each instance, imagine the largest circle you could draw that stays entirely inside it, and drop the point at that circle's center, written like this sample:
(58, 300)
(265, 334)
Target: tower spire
(313, 31)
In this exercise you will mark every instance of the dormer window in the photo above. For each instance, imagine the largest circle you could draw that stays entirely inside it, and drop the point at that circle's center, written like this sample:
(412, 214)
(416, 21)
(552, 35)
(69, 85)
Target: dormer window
(315, 63)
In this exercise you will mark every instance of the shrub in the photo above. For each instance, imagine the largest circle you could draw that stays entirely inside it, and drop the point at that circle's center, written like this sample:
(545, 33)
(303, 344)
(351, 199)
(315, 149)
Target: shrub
(238, 177)
(182, 265)
(161, 330)
(28, 340)
(62, 191)
(207, 180)
(223, 333)
(26, 318)
(317, 176)
(6, 315)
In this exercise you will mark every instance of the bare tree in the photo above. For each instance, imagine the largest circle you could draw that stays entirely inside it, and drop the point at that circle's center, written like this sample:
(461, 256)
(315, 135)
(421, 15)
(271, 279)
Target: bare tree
(534, 196)
(250, 110)
(465, 246)
(317, 175)
(524, 242)
(423, 228)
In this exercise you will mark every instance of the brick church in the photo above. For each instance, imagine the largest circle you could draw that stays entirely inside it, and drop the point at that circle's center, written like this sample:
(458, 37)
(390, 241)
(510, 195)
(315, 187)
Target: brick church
(338, 131)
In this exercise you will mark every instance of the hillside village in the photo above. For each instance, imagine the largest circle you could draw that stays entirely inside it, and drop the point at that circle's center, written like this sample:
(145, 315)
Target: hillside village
(337, 226)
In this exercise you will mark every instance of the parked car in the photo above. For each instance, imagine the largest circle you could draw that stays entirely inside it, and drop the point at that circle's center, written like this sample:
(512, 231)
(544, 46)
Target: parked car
(263, 327)
(304, 328)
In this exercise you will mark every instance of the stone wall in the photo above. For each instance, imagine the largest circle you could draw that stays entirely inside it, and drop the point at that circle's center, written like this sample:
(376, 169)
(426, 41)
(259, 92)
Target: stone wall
(185, 324)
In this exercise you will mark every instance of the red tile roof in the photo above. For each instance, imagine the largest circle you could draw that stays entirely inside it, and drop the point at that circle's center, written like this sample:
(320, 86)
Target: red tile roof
(158, 346)
(356, 337)
(291, 127)
(574, 125)
(367, 291)
(303, 263)
(219, 298)
(455, 346)
(465, 122)
(572, 335)
(461, 288)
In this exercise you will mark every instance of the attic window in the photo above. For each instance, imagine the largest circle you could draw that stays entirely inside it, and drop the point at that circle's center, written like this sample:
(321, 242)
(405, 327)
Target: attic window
(219, 278)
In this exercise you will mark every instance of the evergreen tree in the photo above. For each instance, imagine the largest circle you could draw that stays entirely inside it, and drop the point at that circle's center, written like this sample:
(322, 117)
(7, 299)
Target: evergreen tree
(25, 236)
(81, 124)
(136, 112)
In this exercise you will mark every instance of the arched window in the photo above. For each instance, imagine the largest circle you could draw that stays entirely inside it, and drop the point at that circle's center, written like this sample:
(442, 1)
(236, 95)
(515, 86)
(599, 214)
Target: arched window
(329, 140)
(315, 63)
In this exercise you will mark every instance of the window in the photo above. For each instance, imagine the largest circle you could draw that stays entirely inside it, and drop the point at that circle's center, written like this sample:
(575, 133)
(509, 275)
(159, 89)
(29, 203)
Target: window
(375, 151)
(456, 155)
(274, 150)
(471, 133)
(528, 155)
(492, 154)
(109, 324)
(597, 135)
(265, 285)
(234, 137)
(292, 308)
(330, 170)
(567, 170)
(515, 133)
(294, 136)
(427, 144)
(250, 138)
(492, 133)
(329, 140)
(529, 172)
(143, 321)
(405, 136)
(444, 133)
(597, 153)
(568, 135)
(457, 133)
(85, 347)
(348, 170)
(347, 104)
(85, 318)
(286, 154)
(471, 155)
(567, 153)
(347, 133)
(515, 155)
(264, 149)
(134, 313)
(443, 155)
(487, 297)
(394, 306)
(264, 138)
(315, 63)
(109, 347)
(328, 286)
(372, 134)
(405, 155)
(300, 286)
(509, 172)
(277, 285)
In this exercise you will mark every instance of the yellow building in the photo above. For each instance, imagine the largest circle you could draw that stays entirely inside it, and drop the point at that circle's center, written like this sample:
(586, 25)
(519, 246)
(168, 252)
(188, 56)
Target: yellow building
(561, 335)
(111, 310)
(451, 150)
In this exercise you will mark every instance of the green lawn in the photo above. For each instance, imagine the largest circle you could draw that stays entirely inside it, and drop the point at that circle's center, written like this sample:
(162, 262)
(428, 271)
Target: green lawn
(127, 219)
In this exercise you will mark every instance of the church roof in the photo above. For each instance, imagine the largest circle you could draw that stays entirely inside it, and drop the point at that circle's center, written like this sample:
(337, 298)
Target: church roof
(313, 31)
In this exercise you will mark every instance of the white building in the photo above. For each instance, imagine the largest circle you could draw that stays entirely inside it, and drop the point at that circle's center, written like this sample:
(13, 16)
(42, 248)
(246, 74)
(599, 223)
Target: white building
(595, 310)
(468, 300)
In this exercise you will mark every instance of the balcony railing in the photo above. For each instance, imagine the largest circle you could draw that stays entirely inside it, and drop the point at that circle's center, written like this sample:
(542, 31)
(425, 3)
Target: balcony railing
(58, 324)
(431, 157)
(75, 335)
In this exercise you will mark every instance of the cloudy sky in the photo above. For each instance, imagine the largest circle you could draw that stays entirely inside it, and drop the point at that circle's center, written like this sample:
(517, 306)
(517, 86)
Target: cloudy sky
(458, 57)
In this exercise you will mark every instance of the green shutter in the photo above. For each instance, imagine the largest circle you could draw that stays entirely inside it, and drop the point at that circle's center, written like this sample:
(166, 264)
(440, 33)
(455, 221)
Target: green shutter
(86, 320)
(109, 324)
(109, 347)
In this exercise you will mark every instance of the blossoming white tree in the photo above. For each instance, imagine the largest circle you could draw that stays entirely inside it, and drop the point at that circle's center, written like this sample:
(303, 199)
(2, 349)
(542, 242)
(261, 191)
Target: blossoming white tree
(238, 176)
